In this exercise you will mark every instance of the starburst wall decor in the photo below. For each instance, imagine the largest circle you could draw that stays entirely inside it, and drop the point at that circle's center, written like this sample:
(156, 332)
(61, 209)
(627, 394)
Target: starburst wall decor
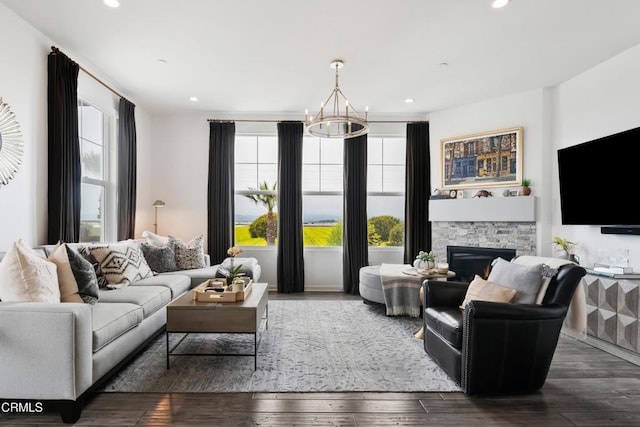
(10, 144)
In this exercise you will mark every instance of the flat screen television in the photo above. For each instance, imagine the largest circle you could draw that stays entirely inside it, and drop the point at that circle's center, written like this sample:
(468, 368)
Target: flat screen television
(598, 182)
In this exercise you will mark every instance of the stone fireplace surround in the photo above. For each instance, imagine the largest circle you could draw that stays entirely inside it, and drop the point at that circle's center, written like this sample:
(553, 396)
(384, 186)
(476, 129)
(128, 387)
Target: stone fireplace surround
(491, 222)
(520, 236)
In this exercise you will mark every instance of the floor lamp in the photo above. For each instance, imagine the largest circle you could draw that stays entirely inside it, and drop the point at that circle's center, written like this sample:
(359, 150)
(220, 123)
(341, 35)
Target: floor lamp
(157, 204)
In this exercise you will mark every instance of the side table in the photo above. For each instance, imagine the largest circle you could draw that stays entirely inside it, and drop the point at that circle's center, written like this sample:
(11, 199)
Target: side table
(437, 276)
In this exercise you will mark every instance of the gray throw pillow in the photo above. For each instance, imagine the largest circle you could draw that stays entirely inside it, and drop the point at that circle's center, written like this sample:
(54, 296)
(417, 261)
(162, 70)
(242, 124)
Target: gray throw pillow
(525, 279)
(160, 258)
(85, 276)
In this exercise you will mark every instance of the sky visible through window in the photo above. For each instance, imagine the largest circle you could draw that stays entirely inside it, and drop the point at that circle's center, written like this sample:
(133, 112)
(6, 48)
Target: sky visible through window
(322, 172)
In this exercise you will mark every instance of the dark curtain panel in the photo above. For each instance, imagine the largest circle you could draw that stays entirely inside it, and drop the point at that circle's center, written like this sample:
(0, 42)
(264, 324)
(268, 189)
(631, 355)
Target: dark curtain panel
(64, 171)
(354, 233)
(417, 228)
(220, 194)
(127, 160)
(290, 239)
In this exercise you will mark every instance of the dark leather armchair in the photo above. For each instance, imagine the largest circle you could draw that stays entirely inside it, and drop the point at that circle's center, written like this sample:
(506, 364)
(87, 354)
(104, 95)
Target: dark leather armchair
(496, 348)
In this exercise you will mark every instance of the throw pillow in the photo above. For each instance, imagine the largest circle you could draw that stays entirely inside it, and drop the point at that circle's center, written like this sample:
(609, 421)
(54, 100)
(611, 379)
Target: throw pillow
(66, 280)
(160, 258)
(27, 276)
(154, 239)
(85, 251)
(121, 264)
(85, 276)
(484, 290)
(189, 255)
(525, 279)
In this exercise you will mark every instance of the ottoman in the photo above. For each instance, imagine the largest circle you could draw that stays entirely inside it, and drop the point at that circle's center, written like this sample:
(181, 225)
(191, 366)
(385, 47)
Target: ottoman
(370, 284)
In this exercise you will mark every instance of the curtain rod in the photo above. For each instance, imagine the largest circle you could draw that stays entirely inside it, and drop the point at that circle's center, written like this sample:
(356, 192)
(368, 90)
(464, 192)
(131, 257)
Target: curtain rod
(278, 121)
(87, 72)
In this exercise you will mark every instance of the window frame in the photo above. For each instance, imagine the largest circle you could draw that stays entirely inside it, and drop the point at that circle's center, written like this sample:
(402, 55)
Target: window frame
(383, 193)
(107, 183)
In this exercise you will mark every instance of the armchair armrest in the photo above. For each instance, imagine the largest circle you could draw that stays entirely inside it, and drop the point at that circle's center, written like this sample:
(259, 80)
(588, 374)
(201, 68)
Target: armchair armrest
(438, 293)
(507, 311)
(45, 350)
(508, 348)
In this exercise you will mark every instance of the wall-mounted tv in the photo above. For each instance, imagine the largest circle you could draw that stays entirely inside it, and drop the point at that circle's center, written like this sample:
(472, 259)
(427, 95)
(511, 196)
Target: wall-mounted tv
(598, 181)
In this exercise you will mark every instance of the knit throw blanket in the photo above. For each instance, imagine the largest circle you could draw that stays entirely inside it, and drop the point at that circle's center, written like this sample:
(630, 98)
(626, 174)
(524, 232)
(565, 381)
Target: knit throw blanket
(401, 291)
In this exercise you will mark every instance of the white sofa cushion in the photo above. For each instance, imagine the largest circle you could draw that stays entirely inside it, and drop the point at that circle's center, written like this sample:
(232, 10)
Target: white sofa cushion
(111, 320)
(176, 283)
(150, 298)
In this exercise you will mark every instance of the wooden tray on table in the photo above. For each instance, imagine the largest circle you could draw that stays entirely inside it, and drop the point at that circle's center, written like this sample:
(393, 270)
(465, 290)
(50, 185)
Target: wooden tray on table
(208, 291)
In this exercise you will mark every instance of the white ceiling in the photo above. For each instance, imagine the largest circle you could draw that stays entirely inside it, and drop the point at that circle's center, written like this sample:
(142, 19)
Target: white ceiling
(272, 56)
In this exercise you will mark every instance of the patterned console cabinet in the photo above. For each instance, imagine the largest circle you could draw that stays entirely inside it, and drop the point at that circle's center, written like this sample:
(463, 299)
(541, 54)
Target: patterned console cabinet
(613, 311)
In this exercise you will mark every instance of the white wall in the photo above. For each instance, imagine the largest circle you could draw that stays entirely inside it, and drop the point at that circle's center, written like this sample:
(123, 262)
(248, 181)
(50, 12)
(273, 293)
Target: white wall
(23, 85)
(180, 164)
(596, 103)
(525, 109)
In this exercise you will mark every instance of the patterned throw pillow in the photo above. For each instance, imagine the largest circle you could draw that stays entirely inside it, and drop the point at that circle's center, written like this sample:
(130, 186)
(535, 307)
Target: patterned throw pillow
(121, 264)
(85, 275)
(189, 255)
(160, 258)
(85, 251)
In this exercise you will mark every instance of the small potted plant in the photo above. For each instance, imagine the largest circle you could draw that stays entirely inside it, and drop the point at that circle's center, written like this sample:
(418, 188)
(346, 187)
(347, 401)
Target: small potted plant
(567, 247)
(525, 190)
(425, 260)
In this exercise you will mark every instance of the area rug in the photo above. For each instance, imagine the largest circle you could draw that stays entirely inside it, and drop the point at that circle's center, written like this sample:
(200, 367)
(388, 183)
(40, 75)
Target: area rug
(309, 346)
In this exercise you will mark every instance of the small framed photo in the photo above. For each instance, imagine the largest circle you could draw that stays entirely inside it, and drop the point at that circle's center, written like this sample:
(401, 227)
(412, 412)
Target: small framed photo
(453, 194)
(460, 194)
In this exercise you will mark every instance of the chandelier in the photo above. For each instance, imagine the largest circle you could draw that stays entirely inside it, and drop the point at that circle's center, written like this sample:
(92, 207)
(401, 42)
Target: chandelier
(337, 123)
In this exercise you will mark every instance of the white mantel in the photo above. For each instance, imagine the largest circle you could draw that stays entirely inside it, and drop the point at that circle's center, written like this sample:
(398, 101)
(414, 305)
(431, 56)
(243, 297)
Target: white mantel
(479, 209)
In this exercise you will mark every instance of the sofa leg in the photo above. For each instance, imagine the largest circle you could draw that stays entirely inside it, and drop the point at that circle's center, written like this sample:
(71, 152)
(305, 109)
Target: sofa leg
(70, 411)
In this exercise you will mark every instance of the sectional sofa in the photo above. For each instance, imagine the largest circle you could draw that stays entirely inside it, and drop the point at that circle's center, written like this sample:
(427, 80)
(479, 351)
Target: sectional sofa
(59, 353)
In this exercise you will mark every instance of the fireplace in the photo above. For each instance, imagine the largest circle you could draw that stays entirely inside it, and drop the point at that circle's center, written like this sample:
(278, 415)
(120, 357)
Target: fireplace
(467, 261)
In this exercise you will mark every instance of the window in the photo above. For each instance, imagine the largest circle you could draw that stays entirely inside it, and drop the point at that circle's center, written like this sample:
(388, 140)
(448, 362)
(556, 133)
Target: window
(322, 171)
(386, 190)
(94, 133)
(256, 173)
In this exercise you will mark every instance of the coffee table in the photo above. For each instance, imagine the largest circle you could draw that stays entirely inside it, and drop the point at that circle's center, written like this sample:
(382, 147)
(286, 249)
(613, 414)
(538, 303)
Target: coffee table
(186, 315)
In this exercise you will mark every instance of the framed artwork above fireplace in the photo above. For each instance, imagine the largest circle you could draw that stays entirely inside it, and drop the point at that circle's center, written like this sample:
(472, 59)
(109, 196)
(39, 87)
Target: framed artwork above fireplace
(487, 159)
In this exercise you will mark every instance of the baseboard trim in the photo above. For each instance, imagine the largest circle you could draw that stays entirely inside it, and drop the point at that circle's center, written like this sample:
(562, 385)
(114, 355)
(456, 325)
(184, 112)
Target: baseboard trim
(620, 352)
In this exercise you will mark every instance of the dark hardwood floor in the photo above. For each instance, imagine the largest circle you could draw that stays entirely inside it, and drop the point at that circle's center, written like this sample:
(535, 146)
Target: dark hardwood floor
(585, 387)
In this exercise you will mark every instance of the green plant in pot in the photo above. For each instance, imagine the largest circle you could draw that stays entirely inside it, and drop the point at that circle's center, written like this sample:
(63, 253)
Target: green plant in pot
(233, 275)
(525, 190)
(425, 260)
(567, 247)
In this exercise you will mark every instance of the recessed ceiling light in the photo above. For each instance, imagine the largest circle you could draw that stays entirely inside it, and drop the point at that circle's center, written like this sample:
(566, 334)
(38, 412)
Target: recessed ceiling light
(193, 99)
(162, 61)
(499, 3)
(444, 65)
(410, 100)
(112, 3)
